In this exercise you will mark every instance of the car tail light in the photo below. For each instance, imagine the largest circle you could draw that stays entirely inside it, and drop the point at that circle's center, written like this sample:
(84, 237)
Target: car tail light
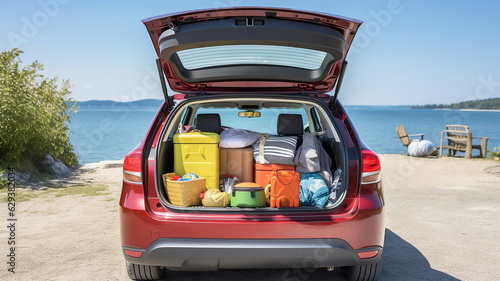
(371, 167)
(367, 255)
(132, 167)
(134, 254)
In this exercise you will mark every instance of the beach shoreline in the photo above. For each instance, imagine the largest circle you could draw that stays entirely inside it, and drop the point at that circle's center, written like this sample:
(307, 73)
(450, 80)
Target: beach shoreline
(105, 164)
(483, 110)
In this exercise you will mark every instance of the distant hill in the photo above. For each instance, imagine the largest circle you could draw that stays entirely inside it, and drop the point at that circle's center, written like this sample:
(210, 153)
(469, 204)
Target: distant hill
(111, 103)
(493, 103)
(380, 107)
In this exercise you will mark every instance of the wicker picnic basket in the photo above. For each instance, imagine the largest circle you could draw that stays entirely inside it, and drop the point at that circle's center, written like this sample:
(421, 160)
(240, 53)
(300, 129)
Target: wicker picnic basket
(184, 193)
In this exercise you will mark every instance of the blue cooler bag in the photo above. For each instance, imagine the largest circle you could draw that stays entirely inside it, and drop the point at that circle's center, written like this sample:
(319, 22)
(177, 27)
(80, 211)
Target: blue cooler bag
(313, 190)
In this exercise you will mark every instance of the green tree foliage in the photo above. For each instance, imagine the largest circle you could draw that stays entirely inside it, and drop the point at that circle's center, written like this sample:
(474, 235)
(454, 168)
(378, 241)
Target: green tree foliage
(493, 103)
(33, 113)
(430, 106)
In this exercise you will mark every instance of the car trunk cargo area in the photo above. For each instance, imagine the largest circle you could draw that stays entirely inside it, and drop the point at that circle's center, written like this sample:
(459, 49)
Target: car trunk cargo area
(264, 142)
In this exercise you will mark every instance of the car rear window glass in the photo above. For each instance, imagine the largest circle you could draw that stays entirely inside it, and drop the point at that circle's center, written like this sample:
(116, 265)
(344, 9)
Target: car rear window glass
(251, 55)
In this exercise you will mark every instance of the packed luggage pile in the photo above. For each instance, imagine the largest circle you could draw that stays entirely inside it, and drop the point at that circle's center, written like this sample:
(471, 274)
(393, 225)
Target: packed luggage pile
(239, 168)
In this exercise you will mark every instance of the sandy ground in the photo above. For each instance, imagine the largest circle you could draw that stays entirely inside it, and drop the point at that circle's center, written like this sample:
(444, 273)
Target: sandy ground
(442, 223)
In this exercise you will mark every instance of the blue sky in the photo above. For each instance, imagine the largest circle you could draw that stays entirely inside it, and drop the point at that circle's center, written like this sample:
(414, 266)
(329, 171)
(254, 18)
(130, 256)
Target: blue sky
(407, 52)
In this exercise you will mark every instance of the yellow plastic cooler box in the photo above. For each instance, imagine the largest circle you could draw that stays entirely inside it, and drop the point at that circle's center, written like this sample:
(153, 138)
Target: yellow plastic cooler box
(198, 152)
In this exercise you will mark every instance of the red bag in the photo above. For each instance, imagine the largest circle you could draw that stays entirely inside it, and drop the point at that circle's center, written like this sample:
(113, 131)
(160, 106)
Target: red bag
(285, 188)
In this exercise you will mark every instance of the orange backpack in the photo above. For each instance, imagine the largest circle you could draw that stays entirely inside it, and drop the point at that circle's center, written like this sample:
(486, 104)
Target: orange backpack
(285, 188)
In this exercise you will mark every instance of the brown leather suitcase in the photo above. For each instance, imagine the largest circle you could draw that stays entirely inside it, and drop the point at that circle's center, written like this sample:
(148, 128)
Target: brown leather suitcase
(237, 162)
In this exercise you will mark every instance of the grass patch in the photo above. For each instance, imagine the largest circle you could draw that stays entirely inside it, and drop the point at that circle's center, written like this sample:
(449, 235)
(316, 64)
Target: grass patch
(495, 153)
(24, 195)
(84, 190)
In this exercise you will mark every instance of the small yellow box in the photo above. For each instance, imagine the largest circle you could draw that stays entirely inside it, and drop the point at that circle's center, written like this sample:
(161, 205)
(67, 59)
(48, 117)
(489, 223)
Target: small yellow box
(198, 152)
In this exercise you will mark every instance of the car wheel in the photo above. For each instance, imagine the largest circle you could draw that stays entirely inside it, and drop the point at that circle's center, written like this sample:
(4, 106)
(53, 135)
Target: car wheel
(369, 272)
(144, 272)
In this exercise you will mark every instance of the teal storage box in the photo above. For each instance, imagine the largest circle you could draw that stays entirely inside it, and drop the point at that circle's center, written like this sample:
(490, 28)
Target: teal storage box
(248, 195)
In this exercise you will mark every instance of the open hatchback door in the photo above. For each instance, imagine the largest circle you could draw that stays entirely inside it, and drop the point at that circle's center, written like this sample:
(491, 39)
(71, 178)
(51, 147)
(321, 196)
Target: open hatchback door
(251, 50)
(254, 105)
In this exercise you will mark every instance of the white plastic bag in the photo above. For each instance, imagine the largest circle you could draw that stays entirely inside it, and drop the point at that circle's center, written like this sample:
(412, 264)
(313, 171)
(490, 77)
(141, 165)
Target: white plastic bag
(420, 148)
(229, 183)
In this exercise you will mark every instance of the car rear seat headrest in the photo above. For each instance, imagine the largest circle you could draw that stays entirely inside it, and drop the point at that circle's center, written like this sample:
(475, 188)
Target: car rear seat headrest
(290, 125)
(208, 123)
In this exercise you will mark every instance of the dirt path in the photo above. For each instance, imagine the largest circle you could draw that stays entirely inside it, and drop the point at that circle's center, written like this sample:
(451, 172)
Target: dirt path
(71, 237)
(442, 219)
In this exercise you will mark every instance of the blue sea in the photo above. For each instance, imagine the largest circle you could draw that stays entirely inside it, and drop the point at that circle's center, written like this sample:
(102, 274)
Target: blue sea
(109, 133)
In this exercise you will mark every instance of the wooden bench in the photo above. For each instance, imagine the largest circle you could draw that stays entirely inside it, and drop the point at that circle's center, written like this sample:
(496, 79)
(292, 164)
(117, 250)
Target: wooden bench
(460, 139)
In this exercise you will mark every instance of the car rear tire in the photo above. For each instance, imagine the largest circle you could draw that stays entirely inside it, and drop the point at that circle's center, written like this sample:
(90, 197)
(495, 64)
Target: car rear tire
(144, 272)
(369, 272)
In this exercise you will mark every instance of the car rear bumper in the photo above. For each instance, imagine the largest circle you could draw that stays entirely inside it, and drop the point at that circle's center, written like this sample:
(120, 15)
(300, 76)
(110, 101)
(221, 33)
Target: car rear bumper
(212, 254)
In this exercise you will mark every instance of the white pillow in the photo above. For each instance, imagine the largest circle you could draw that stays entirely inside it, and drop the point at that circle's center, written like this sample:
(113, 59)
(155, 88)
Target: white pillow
(237, 138)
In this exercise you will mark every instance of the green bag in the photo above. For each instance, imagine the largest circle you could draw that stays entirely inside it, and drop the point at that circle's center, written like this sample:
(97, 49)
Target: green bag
(248, 195)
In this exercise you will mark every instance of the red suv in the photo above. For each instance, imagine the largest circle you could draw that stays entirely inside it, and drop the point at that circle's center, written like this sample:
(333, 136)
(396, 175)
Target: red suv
(244, 68)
